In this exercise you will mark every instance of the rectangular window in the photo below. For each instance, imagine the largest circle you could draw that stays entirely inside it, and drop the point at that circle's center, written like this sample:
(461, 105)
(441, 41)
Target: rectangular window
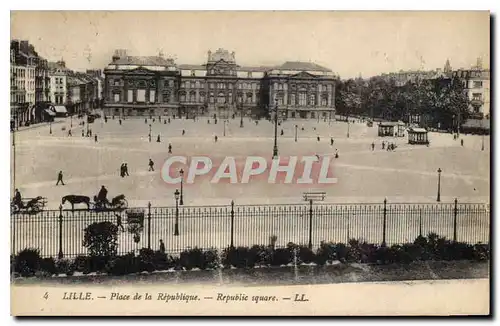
(478, 84)
(202, 98)
(141, 95)
(476, 96)
(130, 96)
(230, 86)
(183, 97)
(292, 99)
(152, 95)
(116, 97)
(302, 99)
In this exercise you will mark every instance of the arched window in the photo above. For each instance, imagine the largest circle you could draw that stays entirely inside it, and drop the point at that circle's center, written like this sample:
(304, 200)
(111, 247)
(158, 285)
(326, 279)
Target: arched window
(312, 99)
(202, 97)
(182, 96)
(302, 99)
(192, 97)
(166, 97)
(324, 100)
(197, 84)
(230, 97)
(240, 97)
(212, 98)
(249, 98)
(221, 99)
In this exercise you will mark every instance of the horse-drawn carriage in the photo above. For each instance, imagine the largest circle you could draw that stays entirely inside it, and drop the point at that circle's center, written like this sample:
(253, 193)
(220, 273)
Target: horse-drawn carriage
(29, 205)
(117, 203)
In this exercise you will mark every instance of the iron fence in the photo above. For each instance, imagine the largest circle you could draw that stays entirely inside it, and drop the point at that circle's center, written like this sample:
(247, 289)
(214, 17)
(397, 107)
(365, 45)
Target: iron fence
(61, 232)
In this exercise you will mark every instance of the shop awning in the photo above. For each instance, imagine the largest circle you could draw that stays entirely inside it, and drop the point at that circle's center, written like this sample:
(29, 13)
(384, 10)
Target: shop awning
(60, 109)
(50, 112)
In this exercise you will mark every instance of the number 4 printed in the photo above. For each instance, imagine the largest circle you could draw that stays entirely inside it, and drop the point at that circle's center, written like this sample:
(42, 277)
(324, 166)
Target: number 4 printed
(46, 295)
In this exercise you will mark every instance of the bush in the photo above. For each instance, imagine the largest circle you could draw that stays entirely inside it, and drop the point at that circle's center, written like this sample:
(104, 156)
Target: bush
(27, 262)
(101, 239)
(210, 259)
(48, 266)
(83, 264)
(481, 251)
(192, 258)
(122, 265)
(65, 266)
(281, 256)
(146, 260)
(162, 261)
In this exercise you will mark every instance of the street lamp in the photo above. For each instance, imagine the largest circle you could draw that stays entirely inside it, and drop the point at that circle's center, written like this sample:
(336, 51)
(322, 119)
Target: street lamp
(176, 228)
(275, 148)
(149, 132)
(181, 172)
(241, 120)
(439, 185)
(50, 127)
(71, 120)
(348, 125)
(482, 139)
(224, 123)
(296, 132)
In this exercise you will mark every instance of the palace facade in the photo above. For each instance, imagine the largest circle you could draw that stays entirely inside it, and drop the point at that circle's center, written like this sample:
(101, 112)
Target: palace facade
(155, 85)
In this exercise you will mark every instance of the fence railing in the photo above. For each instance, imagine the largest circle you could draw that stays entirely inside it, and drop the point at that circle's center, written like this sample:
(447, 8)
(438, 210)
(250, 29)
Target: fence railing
(61, 232)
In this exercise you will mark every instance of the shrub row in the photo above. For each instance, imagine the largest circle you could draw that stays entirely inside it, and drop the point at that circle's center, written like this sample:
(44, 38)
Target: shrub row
(29, 263)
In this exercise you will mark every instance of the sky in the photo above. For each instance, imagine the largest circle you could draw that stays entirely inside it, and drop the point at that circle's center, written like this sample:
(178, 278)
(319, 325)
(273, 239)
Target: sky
(349, 43)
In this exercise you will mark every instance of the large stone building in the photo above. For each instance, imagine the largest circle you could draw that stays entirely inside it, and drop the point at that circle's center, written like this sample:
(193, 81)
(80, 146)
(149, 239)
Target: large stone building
(158, 86)
(477, 85)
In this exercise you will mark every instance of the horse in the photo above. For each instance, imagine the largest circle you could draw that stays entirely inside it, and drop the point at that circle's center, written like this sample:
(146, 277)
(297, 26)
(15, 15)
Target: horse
(76, 199)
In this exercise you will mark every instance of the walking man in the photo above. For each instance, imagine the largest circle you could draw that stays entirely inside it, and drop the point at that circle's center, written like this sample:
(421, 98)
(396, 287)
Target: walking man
(373, 146)
(122, 170)
(60, 178)
(69, 133)
(331, 141)
(462, 142)
(158, 139)
(83, 134)
(120, 121)
(216, 138)
(151, 165)
(95, 138)
(170, 148)
(183, 132)
(125, 169)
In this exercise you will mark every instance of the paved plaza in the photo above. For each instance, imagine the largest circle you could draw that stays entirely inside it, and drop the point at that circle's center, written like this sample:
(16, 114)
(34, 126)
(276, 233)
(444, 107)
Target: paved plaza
(407, 174)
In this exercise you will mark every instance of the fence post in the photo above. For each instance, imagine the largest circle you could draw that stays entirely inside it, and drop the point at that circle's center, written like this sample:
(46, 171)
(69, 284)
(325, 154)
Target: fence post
(60, 255)
(455, 213)
(232, 224)
(420, 223)
(149, 225)
(310, 222)
(385, 223)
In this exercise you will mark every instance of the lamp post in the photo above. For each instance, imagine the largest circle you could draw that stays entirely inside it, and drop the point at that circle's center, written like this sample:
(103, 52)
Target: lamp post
(149, 132)
(241, 120)
(50, 127)
(296, 127)
(348, 125)
(482, 139)
(181, 201)
(224, 123)
(275, 148)
(439, 185)
(71, 121)
(176, 227)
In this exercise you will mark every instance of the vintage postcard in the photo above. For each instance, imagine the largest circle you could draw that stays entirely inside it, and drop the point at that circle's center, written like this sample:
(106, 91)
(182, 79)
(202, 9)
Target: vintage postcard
(250, 163)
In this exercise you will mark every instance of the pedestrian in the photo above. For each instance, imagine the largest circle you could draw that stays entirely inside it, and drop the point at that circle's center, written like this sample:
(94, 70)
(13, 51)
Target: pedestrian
(125, 169)
(317, 138)
(173, 117)
(169, 119)
(149, 137)
(151, 165)
(336, 153)
(60, 178)
(83, 134)
(164, 122)
(120, 121)
(17, 198)
(90, 132)
(158, 139)
(208, 121)
(119, 222)
(331, 141)
(183, 132)
(281, 132)
(462, 142)
(69, 133)
(95, 138)
(145, 120)
(373, 146)
(170, 148)
(153, 119)
(216, 138)
(162, 246)
(383, 144)
(159, 118)
(122, 170)
(215, 121)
